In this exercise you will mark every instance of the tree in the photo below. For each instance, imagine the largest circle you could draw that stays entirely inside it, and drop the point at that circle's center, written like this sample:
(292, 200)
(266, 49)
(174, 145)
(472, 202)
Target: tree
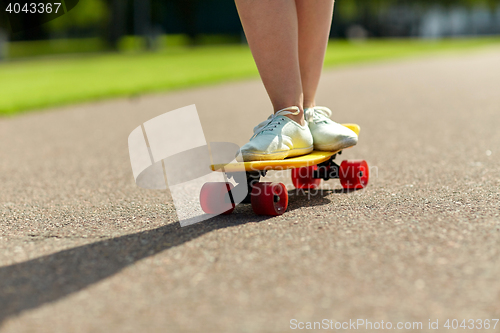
(89, 15)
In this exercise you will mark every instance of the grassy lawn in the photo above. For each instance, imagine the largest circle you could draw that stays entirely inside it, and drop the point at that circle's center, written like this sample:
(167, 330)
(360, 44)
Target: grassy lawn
(44, 82)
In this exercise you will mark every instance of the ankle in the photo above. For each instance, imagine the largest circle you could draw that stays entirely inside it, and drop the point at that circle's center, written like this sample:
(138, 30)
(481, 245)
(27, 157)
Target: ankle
(299, 118)
(309, 105)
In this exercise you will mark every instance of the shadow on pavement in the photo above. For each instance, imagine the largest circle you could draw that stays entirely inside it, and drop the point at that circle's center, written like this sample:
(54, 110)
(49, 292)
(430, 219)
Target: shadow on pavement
(46, 279)
(32, 283)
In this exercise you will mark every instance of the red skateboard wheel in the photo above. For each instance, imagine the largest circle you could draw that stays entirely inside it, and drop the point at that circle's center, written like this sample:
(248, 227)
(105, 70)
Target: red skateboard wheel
(354, 174)
(269, 199)
(303, 177)
(214, 198)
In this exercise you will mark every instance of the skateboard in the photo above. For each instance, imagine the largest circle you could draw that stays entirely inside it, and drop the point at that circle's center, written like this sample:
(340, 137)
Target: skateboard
(269, 198)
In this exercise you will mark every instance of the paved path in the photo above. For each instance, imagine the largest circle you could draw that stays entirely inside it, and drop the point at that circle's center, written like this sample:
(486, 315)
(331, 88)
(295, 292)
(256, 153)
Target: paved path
(82, 249)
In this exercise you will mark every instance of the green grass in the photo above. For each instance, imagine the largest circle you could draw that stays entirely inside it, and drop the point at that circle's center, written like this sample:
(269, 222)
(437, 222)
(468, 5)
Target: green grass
(46, 82)
(28, 49)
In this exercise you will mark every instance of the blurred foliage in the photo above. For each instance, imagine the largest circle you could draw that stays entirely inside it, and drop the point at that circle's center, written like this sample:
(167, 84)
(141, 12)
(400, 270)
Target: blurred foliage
(350, 9)
(37, 48)
(114, 19)
(395, 18)
(360, 5)
(88, 15)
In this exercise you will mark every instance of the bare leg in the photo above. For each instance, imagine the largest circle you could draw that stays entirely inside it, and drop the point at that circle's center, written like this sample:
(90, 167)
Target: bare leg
(315, 19)
(271, 28)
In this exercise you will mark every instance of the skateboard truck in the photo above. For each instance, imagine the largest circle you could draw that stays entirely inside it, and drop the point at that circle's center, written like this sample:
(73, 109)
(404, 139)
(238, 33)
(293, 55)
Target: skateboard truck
(252, 178)
(327, 170)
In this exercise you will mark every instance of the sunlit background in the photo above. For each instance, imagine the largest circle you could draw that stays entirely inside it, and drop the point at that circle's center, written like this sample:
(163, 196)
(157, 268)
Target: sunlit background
(108, 48)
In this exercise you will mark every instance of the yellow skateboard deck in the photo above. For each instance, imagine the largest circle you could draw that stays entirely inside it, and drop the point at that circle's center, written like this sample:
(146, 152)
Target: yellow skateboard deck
(313, 158)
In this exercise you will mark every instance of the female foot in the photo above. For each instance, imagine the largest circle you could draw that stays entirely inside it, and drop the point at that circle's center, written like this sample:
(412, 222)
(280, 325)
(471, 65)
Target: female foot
(278, 137)
(327, 134)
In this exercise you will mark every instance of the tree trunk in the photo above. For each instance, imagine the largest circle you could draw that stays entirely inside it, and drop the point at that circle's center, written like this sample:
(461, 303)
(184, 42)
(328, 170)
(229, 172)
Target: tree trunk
(3, 44)
(117, 22)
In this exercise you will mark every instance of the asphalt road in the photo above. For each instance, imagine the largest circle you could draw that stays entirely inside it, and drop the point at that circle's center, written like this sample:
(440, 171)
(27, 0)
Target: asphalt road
(83, 249)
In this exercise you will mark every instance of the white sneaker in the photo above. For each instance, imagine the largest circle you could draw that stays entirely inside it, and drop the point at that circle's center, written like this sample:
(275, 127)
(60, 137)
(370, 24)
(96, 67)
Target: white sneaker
(277, 138)
(327, 134)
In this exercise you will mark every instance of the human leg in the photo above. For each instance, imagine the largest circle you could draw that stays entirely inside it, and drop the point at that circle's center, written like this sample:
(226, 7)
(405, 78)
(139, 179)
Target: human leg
(314, 21)
(271, 28)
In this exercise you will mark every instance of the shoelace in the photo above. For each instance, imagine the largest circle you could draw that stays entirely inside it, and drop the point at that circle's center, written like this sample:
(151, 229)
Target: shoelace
(312, 114)
(266, 125)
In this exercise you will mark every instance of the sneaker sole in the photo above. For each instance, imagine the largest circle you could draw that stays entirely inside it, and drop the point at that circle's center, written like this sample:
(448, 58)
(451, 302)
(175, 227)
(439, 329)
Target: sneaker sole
(249, 157)
(338, 146)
